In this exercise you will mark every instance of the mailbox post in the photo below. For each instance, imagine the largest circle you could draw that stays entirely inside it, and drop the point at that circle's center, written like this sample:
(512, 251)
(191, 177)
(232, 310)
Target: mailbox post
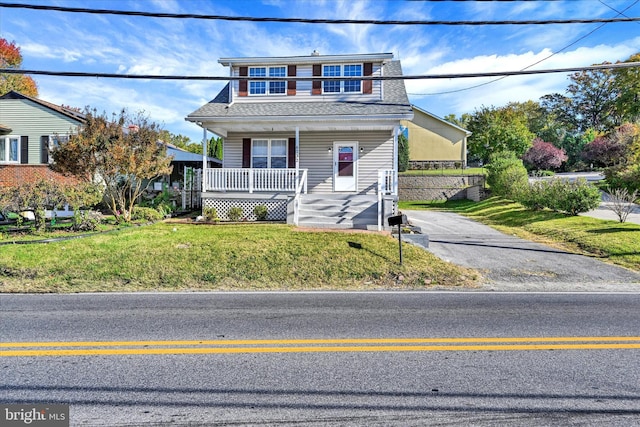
(398, 220)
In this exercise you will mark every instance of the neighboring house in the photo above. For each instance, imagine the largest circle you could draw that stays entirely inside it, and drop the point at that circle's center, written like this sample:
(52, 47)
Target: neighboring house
(316, 149)
(433, 141)
(30, 126)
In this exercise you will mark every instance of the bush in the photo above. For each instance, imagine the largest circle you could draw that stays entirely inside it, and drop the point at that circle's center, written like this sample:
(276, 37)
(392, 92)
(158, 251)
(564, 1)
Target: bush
(141, 213)
(86, 220)
(560, 195)
(507, 175)
(235, 213)
(210, 214)
(261, 212)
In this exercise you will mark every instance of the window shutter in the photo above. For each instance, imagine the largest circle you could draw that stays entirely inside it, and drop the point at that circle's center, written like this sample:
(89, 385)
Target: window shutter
(246, 152)
(291, 84)
(44, 149)
(317, 84)
(24, 150)
(242, 87)
(367, 85)
(292, 153)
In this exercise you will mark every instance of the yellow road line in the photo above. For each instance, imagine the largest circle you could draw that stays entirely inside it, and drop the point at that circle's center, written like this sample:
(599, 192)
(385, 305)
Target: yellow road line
(316, 341)
(105, 348)
(328, 349)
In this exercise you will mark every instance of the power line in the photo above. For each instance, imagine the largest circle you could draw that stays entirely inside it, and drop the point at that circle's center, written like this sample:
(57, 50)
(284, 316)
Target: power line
(323, 78)
(619, 13)
(307, 20)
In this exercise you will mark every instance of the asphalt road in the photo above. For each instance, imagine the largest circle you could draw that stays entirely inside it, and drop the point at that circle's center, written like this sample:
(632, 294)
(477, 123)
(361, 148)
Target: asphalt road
(510, 263)
(469, 358)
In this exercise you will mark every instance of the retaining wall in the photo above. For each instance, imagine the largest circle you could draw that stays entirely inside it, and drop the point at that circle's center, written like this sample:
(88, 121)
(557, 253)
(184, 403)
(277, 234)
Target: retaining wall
(436, 187)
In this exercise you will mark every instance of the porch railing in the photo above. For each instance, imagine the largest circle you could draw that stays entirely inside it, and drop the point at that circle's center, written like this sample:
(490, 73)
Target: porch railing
(387, 186)
(254, 180)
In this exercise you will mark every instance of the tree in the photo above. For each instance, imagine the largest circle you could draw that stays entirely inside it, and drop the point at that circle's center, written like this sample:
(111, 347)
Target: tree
(10, 57)
(593, 95)
(604, 151)
(543, 155)
(403, 153)
(181, 141)
(123, 154)
(627, 85)
(215, 147)
(498, 129)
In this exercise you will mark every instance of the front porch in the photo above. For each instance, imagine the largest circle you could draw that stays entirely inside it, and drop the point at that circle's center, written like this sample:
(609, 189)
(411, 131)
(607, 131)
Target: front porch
(285, 194)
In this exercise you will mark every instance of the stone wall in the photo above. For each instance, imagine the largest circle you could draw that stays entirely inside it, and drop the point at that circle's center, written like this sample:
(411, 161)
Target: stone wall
(440, 187)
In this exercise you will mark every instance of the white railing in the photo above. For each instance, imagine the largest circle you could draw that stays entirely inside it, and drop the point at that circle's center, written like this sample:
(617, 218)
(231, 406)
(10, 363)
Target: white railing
(300, 188)
(255, 180)
(387, 185)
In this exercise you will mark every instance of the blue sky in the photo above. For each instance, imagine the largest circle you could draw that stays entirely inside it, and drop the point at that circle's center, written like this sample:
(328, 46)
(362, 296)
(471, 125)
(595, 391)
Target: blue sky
(139, 45)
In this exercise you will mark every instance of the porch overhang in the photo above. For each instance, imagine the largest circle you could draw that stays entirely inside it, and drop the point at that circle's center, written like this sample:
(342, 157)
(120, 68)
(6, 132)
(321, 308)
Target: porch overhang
(223, 126)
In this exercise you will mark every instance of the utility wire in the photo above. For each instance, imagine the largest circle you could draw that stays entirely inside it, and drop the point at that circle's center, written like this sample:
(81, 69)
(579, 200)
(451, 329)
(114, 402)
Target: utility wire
(322, 78)
(535, 63)
(307, 20)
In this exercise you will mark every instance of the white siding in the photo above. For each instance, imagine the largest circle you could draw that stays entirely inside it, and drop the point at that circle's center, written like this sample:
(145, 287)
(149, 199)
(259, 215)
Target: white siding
(315, 156)
(303, 90)
(26, 118)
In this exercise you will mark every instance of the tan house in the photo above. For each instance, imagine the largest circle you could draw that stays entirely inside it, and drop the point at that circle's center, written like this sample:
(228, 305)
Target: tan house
(433, 140)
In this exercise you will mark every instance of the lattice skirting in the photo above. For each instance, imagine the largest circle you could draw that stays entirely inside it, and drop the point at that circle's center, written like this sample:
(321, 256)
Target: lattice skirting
(276, 209)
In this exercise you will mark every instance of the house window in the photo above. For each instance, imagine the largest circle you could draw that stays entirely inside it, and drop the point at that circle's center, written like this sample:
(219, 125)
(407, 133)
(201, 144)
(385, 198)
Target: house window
(9, 149)
(55, 141)
(269, 153)
(342, 86)
(264, 87)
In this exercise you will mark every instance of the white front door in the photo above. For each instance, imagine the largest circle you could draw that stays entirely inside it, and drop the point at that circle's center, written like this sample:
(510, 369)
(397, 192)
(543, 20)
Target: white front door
(345, 166)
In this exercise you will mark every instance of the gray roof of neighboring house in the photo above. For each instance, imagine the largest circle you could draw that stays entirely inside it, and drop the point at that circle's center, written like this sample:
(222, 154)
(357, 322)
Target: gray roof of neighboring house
(180, 155)
(395, 102)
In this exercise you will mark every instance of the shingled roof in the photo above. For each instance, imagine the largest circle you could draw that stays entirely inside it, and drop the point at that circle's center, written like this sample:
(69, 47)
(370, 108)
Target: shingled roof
(62, 110)
(395, 103)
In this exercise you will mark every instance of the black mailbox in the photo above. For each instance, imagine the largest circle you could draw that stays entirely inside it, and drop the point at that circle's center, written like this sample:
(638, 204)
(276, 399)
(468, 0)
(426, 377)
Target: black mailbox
(397, 220)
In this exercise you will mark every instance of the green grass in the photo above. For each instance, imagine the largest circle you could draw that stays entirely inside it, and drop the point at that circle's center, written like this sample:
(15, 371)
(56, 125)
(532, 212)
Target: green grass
(468, 171)
(170, 257)
(609, 240)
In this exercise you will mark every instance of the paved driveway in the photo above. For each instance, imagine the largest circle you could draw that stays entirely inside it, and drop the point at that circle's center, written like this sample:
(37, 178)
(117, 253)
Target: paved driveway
(510, 263)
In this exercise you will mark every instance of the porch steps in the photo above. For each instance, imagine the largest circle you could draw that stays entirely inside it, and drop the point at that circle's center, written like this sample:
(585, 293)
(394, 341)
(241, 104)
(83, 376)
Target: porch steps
(339, 211)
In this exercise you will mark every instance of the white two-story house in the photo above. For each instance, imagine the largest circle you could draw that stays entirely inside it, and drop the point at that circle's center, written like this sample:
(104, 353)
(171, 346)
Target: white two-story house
(314, 138)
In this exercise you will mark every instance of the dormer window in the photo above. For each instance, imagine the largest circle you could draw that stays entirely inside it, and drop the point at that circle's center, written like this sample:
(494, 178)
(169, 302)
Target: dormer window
(264, 87)
(342, 86)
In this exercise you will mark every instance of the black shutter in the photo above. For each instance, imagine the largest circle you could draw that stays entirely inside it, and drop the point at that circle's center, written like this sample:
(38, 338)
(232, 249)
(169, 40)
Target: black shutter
(24, 150)
(44, 149)
(291, 160)
(246, 152)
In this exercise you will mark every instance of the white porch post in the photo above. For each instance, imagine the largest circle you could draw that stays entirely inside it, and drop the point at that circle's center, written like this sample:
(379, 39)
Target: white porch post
(396, 131)
(204, 159)
(297, 156)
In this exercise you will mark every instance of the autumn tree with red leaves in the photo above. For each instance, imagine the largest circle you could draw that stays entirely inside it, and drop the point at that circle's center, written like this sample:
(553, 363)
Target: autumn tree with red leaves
(10, 57)
(544, 156)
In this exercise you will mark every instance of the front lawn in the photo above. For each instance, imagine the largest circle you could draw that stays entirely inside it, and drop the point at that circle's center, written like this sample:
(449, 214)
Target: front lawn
(178, 257)
(609, 240)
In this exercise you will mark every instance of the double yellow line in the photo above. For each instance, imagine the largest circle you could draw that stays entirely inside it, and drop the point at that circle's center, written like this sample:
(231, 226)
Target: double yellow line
(115, 348)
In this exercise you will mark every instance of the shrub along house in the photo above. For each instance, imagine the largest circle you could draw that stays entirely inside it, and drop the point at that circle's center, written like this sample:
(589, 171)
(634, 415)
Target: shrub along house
(313, 138)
